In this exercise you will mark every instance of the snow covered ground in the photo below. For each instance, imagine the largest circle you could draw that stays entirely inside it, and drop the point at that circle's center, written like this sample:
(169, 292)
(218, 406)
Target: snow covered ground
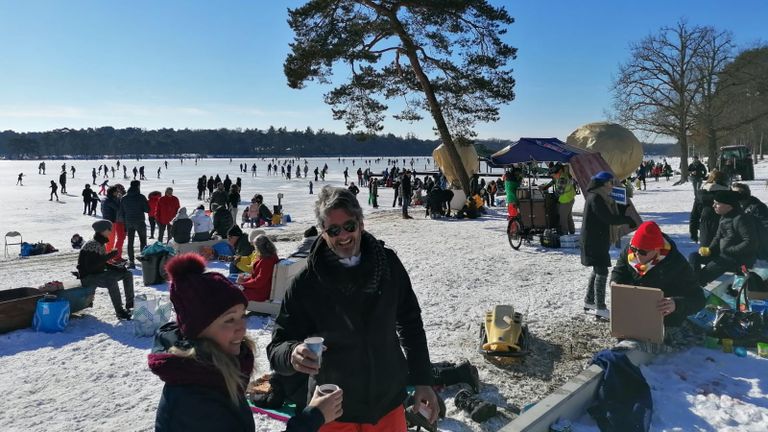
(94, 376)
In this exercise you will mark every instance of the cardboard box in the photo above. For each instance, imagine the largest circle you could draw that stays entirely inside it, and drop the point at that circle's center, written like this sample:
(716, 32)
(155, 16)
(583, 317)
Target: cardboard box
(635, 315)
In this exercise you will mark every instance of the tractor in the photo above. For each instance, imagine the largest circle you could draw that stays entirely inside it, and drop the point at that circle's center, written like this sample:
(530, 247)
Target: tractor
(736, 160)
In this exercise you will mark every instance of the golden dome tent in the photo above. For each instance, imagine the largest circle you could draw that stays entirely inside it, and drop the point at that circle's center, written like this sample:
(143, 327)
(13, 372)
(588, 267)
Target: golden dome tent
(618, 145)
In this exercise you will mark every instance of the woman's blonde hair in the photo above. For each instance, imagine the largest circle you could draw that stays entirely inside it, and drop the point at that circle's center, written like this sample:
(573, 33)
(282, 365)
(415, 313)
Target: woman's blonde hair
(208, 352)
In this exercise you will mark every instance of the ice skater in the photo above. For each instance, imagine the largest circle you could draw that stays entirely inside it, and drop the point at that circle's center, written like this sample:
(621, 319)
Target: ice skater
(103, 189)
(18, 180)
(54, 188)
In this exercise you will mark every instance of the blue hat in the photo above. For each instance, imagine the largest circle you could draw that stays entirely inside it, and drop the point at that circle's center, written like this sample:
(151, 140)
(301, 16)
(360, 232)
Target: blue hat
(603, 176)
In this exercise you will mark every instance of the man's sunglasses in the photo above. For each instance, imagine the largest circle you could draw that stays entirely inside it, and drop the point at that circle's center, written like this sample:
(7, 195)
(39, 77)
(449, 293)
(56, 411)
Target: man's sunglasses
(348, 226)
(639, 251)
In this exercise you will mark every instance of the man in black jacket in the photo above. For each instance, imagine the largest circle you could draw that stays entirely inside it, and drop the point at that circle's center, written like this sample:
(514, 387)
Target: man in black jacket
(407, 191)
(87, 199)
(222, 220)
(653, 260)
(696, 172)
(133, 206)
(94, 270)
(734, 245)
(356, 294)
(219, 196)
(750, 204)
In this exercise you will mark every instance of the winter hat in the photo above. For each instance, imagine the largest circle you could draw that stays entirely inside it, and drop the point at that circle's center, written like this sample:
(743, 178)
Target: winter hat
(199, 297)
(728, 197)
(182, 213)
(603, 176)
(311, 232)
(135, 184)
(648, 236)
(235, 231)
(101, 225)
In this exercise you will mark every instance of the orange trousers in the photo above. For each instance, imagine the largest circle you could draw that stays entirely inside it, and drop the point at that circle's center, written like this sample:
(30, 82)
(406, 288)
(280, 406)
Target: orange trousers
(392, 422)
(116, 239)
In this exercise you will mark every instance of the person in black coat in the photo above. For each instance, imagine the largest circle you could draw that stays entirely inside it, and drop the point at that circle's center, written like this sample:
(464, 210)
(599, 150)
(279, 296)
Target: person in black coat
(219, 196)
(240, 244)
(356, 294)
(750, 204)
(734, 245)
(696, 172)
(94, 269)
(653, 260)
(133, 206)
(87, 199)
(206, 358)
(406, 192)
(600, 212)
(222, 220)
(703, 221)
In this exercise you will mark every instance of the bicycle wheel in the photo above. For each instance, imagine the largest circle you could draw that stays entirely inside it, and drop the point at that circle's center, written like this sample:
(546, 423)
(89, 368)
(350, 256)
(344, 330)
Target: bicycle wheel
(514, 234)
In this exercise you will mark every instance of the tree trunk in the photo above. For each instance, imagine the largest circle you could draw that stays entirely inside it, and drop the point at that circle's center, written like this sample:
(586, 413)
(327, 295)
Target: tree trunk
(683, 143)
(434, 105)
(711, 148)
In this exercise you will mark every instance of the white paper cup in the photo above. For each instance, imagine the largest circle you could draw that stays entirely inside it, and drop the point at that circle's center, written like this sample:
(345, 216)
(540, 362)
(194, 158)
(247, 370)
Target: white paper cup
(315, 344)
(327, 389)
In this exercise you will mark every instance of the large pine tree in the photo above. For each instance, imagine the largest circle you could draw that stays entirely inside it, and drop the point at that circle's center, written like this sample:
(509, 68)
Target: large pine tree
(444, 57)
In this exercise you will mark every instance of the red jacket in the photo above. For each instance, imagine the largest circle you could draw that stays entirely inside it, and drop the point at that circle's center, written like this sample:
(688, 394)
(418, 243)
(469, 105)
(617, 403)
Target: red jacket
(152, 200)
(167, 207)
(258, 286)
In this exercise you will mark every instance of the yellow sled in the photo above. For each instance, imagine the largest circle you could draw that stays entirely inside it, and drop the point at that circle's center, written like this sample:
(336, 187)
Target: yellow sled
(503, 333)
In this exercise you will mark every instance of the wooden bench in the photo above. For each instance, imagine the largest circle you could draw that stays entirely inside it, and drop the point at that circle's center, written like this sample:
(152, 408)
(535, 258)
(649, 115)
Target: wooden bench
(193, 246)
(285, 272)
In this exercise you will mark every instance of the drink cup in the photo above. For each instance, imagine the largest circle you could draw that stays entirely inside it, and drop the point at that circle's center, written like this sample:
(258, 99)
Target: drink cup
(762, 349)
(727, 345)
(327, 389)
(315, 344)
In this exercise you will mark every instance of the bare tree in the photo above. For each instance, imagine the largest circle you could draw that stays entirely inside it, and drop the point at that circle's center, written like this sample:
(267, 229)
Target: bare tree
(711, 106)
(657, 87)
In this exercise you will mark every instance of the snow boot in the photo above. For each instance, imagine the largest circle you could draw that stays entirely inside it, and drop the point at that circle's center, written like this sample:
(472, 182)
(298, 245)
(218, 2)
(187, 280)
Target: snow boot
(123, 314)
(451, 374)
(478, 409)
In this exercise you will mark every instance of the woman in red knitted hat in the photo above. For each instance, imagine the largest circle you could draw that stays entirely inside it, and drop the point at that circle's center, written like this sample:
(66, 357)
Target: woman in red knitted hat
(206, 358)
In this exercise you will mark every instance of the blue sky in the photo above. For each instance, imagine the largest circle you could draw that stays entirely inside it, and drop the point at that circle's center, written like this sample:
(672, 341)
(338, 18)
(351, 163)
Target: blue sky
(211, 64)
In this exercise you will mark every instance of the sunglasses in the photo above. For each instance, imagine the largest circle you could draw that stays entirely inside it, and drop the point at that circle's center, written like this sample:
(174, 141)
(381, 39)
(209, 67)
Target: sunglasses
(639, 251)
(348, 226)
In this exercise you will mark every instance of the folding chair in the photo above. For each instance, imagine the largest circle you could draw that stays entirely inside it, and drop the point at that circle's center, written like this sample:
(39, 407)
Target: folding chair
(13, 234)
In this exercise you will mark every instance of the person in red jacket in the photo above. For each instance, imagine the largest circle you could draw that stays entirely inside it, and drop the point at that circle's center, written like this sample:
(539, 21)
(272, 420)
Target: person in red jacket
(152, 199)
(258, 285)
(167, 207)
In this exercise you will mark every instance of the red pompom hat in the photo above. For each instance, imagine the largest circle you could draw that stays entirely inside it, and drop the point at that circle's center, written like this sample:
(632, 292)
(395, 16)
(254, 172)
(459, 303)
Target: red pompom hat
(648, 236)
(199, 297)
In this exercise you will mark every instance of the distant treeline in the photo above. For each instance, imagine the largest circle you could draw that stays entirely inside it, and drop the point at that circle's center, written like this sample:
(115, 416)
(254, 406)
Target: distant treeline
(273, 142)
(87, 143)
(671, 149)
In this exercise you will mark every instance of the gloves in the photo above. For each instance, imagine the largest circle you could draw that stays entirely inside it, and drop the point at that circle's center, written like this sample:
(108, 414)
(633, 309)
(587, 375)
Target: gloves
(631, 223)
(704, 251)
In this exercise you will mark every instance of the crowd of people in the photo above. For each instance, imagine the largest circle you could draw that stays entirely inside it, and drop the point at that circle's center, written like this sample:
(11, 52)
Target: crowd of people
(373, 344)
